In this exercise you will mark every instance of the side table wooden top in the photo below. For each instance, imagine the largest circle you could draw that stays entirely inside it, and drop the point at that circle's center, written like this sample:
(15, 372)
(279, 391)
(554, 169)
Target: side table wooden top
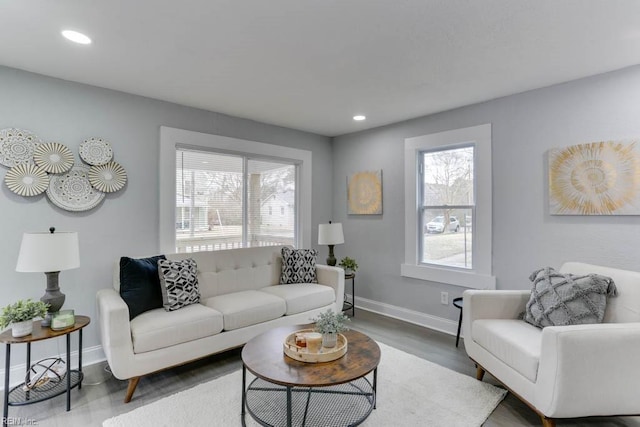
(264, 357)
(43, 333)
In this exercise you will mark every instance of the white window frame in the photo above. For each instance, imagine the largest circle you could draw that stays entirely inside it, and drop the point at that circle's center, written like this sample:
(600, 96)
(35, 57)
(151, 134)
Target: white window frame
(171, 137)
(480, 276)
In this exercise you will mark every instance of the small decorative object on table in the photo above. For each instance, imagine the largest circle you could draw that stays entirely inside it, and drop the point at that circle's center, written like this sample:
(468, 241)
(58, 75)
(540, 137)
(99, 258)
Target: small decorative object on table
(305, 345)
(63, 319)
(329, 324)
(20, 316)
(349, 265)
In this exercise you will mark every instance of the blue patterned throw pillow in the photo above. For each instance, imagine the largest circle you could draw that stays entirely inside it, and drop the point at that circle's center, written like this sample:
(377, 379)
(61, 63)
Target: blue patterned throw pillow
(298, 266)
(179, 283)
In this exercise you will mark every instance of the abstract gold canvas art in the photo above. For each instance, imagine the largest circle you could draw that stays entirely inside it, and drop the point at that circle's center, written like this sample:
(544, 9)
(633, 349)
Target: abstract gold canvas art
(364, 193)
(597, 178)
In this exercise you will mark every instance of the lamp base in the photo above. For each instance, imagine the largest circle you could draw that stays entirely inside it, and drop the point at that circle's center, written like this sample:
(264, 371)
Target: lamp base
(331, 260)
(52, 296)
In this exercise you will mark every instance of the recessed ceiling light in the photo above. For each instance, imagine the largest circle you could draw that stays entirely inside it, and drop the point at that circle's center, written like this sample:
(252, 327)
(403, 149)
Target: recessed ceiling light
(76, 37)
(359, 118)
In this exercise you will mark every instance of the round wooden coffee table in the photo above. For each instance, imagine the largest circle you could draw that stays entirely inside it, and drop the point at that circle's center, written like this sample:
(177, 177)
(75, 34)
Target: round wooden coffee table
(289, 392)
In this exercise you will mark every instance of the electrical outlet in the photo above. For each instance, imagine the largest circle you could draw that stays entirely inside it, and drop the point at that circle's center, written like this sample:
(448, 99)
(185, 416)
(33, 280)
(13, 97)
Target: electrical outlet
(444, 298)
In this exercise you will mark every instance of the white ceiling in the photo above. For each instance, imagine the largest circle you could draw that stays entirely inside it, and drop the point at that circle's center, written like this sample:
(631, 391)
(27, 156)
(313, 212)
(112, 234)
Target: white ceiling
(313, 64)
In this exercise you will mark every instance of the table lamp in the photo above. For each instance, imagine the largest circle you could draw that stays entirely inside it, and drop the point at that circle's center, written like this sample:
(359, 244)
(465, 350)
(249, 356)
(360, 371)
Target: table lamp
(49, 253)
(330, 234)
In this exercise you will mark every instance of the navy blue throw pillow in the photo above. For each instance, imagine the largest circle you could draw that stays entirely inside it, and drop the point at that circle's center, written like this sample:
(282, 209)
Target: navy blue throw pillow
(140, 284)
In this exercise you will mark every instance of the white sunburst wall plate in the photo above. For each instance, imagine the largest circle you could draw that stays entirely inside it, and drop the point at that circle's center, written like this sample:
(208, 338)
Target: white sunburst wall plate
(53, 157)
(27, 180)
(108, 178)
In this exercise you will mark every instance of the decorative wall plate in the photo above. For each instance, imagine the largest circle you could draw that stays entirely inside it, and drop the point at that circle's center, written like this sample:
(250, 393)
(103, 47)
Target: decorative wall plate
(17, 146)
(72, 190)
(27, 180)
(96, 151)
(53, 157)
(108, 178)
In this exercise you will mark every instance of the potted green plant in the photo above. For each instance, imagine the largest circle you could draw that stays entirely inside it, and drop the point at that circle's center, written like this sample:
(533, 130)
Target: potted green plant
(20, 316)
(349, 264)
(329, 324)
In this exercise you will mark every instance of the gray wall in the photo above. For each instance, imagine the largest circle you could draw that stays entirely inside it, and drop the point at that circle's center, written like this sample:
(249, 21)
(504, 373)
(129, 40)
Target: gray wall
(126, 223)
(525, 236)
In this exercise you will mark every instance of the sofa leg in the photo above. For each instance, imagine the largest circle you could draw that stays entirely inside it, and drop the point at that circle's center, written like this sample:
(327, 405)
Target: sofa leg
(479, 373)
(133, 383)
(547, 422)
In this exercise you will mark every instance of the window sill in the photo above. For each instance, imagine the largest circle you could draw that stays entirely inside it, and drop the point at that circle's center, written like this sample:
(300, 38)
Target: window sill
(465, 279)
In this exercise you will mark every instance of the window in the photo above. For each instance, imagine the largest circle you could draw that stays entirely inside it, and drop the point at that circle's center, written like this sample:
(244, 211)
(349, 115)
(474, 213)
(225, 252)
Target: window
(448, 207)
(446, 204)
(218, 193)
(222, 201)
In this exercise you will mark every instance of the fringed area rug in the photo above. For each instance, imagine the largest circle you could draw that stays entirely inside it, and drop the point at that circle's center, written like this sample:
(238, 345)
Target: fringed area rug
(411, 392)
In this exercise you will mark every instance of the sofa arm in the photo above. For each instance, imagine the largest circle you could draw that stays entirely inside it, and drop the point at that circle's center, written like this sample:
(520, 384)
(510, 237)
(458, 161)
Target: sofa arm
(589, 370)
(333, 277)
(491, 304)
(115, 331)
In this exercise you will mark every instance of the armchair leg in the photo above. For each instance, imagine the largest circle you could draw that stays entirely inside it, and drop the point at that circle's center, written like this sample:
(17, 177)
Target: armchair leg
(480, 373)
(133, 383)
(547, 422)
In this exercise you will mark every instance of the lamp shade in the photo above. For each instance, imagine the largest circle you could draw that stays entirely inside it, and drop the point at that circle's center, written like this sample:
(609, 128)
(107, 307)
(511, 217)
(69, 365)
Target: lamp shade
(330, 234)
(44, 252)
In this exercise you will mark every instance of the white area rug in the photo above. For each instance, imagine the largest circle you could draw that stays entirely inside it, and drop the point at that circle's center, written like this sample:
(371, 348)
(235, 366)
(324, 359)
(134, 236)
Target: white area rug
(411, 392)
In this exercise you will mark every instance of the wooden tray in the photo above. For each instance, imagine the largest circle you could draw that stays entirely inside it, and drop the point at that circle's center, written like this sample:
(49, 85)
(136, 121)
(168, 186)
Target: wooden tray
(303, 355)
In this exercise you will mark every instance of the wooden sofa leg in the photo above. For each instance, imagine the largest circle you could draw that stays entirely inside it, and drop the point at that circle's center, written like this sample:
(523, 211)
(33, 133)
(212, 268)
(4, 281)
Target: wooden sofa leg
(133, 383)
(547, 422)
(479, 373)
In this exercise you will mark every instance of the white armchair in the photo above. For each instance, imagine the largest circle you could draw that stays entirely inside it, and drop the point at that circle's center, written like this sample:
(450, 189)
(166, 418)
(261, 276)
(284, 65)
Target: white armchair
(560, 371)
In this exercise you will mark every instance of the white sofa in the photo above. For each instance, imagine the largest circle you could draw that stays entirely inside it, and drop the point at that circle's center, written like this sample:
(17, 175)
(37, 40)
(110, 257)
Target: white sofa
(240, 298)
(560, 371)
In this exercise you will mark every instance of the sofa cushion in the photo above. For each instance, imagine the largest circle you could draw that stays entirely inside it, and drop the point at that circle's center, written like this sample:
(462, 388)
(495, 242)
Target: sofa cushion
(566, 299)
(140, 284)
(514, 342)
(159, 328)
(302, 296)
(247, 308)
(179, 283)
(298, 266)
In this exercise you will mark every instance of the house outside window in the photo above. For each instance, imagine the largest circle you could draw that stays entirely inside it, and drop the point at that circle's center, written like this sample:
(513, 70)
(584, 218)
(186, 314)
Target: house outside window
(448, 208)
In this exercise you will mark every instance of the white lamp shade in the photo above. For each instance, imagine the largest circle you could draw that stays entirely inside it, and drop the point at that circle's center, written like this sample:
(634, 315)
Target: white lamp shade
(330, 234)
(44, 252)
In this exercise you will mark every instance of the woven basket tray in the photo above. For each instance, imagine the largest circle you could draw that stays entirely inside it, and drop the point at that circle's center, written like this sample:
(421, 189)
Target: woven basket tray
(303, 355)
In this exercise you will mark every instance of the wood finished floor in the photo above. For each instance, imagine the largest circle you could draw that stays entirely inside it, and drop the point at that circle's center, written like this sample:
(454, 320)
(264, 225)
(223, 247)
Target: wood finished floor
(102, 396)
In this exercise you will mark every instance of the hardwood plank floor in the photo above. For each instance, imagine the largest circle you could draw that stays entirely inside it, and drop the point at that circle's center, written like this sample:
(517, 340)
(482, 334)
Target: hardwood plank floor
(102, 395)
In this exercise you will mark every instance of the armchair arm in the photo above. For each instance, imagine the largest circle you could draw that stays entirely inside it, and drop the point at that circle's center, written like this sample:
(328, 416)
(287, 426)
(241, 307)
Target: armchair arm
(115, 331)
(589, 370)
(491, 304)
(333, 277)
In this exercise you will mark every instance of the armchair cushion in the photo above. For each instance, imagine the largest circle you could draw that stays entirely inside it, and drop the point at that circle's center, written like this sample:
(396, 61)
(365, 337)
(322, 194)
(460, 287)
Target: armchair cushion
(565, 299)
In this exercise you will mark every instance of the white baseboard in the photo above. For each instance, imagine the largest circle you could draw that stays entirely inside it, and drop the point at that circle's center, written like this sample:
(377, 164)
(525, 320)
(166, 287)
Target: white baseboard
(410, 316)
(90, 356)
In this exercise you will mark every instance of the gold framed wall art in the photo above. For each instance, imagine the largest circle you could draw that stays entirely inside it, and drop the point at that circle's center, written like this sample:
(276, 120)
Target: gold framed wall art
(597, 178)
(364, 193)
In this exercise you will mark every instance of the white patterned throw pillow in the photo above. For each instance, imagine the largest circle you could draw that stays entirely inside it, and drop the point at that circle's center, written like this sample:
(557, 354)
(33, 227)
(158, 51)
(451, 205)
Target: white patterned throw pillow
(298, 266)
(179, 283)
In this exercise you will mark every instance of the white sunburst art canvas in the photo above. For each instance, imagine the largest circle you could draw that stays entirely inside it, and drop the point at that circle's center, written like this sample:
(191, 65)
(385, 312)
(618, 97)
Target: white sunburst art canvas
(597, 178)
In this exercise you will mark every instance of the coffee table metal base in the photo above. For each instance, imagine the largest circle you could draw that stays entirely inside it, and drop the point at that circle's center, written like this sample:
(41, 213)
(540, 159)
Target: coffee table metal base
(274, 405)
